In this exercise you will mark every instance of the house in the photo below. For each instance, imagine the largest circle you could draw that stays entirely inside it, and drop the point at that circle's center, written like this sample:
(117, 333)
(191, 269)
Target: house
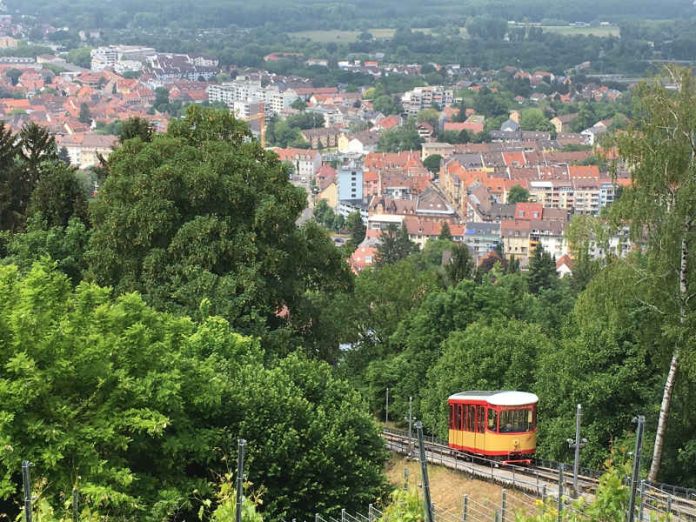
(510, 126)
(305, 163)
(328, 191)
(85, 148)
(358, 143)
(425, 131)
(562, 123)
(564, 266)
(593, 133)
(365, 255)
(442, 149)
(322, 138)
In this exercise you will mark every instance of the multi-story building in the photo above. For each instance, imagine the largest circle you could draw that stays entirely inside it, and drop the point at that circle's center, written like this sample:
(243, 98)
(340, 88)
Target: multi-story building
(252, 91)
(481, 238)
(421, 98)
(305, 162)
(84, 149)
(109, 56)
(582, 196)
(350, 181)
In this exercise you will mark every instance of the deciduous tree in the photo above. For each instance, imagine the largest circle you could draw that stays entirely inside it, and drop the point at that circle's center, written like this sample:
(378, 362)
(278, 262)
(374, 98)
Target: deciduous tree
(661, 204)
(204, 213)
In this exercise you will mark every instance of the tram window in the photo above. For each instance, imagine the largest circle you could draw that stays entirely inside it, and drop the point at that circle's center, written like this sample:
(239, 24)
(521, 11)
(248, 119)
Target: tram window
(462, 411)
(457, 416)
(471, 411)
(492, 420)
(451, 416)
(515, 421)
(481, 417)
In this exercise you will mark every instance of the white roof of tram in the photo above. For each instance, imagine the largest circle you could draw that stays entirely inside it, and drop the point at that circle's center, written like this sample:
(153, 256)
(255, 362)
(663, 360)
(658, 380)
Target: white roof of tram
(497, 398)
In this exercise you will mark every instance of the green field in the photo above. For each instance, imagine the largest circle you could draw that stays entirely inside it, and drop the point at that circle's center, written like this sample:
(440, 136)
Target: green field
(604, 31)
(346, 36)
(340, 36)
(337, 36)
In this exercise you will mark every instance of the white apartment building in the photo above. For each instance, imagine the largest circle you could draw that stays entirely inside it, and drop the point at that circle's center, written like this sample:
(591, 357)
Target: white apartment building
(251, 91)
(580, 196)
(421, 98)
(109, 56)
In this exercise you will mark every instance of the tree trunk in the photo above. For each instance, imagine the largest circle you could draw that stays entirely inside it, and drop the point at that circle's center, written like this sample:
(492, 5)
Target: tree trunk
(674, 365)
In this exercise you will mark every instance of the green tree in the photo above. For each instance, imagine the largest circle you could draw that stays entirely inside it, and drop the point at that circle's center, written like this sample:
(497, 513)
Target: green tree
(535, 120)
(661, 203)
(161, 103)
(66, 246)
(394, 245)
(432, 163)
(324, 214)
(13, 75)
(137, 407)
(64, 155)
(400, 139)
(85, 113)
(203, 213)
(58, 196)
(461, 265)
(542, 271)
(80, 57)
(37, 145)
(386, 105)
(136, 127)
(518, 194)
(497, 356)
(430, 116)
(445, 232)
(24, 157)
(11, 215)
(357, 229)
(299, 104)
(607, 347)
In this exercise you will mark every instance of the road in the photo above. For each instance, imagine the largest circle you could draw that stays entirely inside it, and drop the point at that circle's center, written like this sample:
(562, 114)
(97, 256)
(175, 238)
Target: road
(308, 212)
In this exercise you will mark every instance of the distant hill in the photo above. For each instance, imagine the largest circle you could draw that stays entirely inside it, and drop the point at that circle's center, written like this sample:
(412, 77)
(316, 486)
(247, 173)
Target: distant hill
(294, 15)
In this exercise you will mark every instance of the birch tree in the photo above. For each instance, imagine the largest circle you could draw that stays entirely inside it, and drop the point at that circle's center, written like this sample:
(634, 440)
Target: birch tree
(660, 151)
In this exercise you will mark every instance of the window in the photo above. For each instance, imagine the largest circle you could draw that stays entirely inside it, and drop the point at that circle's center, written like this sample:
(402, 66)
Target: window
(481, 417)
(457, 416)
(470, 412)
(516, 421)
(451, 416)
(492, 420)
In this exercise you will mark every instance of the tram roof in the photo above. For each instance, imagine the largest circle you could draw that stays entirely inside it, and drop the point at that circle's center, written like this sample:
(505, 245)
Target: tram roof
(497, 398)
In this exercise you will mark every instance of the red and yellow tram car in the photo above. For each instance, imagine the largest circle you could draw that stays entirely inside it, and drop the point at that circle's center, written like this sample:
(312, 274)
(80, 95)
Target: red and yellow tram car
(500, 424)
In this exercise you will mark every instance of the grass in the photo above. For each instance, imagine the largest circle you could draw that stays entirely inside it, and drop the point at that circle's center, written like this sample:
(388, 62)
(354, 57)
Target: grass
(336, 36)
(448, 487)
(602, 31)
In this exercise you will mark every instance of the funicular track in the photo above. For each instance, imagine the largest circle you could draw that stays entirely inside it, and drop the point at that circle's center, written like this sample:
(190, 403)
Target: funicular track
(542, 479)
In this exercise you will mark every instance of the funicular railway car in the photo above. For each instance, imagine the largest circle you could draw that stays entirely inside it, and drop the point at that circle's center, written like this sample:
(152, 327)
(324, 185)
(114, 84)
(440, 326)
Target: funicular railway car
(499, 425)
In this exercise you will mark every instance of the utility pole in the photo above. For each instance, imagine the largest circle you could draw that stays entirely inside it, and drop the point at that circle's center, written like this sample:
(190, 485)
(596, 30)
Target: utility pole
(410, 426)
(577, 444)
(241, 445)
(640, 420)
(561, 468)
(26, 480)
(386, 409)
(424, 474)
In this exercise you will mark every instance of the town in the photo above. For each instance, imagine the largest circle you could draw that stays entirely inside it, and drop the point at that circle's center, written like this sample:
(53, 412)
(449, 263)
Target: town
(401, 261)
(505, 174)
